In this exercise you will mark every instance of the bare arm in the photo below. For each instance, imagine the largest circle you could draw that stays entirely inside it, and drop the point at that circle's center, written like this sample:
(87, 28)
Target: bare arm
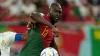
(54, 45)
(35, 16)
(39, 19)
(25, 35)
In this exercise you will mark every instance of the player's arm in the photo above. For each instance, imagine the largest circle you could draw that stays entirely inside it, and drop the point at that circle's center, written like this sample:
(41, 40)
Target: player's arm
(35, 16)
(21, 37)
(25, 35)
(54, 45)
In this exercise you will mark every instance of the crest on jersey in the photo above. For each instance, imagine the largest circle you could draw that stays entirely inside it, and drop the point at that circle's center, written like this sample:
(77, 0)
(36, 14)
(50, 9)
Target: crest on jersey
(3, 43)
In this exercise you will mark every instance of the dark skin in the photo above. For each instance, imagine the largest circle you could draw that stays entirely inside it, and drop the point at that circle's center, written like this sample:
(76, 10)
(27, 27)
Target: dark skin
(54, 14)
(25, 35)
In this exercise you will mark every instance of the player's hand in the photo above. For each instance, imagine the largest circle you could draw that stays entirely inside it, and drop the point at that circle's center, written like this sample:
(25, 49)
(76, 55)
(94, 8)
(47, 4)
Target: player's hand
(55, 31)
(30, 25)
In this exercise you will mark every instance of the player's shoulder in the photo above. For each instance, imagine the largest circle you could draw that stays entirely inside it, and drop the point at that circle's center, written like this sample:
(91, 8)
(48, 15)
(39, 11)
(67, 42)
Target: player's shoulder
(38, 13)
(8, 32)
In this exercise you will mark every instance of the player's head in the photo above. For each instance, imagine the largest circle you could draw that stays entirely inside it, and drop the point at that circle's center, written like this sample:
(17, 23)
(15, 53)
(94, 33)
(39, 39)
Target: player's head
(55, 12)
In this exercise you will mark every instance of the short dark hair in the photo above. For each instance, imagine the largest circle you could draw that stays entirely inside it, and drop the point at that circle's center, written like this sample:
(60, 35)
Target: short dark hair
(54, 5)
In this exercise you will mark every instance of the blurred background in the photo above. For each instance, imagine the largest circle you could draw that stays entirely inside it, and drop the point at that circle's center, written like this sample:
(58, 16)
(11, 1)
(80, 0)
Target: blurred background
(79, 26)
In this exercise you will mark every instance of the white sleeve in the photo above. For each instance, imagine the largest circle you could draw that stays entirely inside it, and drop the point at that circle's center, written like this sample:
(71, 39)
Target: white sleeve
(12, 36)
(9, 36)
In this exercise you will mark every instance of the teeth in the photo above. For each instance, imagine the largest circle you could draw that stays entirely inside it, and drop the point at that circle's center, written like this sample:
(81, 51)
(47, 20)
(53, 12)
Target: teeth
(56, 18)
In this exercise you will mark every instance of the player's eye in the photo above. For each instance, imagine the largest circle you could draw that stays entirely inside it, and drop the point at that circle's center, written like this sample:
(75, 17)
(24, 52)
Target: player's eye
(59, 12)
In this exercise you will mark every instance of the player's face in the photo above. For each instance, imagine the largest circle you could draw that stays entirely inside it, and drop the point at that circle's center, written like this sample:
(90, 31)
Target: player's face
(55, 13)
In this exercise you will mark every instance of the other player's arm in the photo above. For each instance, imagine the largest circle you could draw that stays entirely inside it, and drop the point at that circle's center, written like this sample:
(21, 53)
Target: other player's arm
(35, 16)
(21, 37)
(25, 35)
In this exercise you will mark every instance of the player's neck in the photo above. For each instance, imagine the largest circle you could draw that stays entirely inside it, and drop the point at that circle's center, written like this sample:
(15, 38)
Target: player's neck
(52, 22)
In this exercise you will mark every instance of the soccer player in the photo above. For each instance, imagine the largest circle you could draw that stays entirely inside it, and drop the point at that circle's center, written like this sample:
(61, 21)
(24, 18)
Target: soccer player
(43, 32)
(8, 37)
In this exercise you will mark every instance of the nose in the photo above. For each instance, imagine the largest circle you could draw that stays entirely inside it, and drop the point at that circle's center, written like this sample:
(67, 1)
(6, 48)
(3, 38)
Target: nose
(57, 14)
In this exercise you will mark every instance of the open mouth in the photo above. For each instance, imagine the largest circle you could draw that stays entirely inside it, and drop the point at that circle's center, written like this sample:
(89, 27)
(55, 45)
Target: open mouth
(56, 19)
